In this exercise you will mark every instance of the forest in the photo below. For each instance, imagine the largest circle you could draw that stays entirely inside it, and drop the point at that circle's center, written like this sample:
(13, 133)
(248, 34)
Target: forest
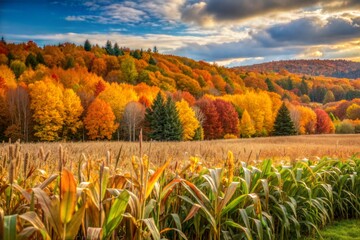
(74, 92)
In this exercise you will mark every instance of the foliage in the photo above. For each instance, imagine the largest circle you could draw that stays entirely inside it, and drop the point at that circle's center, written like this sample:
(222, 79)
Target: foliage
(163, 119)
(188, 120)
(48, 110)
(246, 126)
(283, 125)
(99, 120)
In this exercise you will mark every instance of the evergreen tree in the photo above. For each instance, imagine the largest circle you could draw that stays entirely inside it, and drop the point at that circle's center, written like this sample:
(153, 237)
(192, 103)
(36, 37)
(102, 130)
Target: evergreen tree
(163, 120)
(40, 58)
(283, 125)
(152, 61)
(109, 49)
(155, 50)
(87, 45)
(31, 61)
(3, 40)
(154, 117)
(304, 88)
(136, 54)
(117, 50)
(172, 128)
(270, 85)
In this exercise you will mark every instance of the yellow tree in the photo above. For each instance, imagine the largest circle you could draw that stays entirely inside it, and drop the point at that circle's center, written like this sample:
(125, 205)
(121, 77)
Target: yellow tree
(99, 120)
(72, 112)
(188, 120)
(353, 111)
(117, 96)
(48, 109)
(246, 127)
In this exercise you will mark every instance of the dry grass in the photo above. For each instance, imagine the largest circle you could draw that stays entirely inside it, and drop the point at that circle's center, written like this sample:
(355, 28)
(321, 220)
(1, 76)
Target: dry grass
(281, 149)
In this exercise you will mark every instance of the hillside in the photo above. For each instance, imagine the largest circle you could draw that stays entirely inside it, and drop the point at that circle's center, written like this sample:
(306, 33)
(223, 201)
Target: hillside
(330, 68)
(90, 92)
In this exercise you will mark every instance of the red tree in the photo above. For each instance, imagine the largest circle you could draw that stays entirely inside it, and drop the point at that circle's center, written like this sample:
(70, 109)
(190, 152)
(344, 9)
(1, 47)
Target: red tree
(99, 87)
(212, 125)
(228, 117)
(323, 122)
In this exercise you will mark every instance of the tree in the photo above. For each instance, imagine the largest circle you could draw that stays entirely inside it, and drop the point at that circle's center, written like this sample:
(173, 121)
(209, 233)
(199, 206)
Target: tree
(155, 50)
(18, 101)
(18, 67)
(99, 67)
(134, 115)
(163, 120)
(323, 122)
(31, 61)
(229, 117)
(108, 47)
(173, 129)
(154, 117)
(188, 120)
(99, 87)
(152, 61)
(270, 85)
(353, 111)
(283, 125)
(72, 112)
(48, 109)
(129, 71)
(329, 97)
(100, 120)
(40, 58)
(117, 50)
(246, 126)
(304, 88)
(87, 45)
(212, 125)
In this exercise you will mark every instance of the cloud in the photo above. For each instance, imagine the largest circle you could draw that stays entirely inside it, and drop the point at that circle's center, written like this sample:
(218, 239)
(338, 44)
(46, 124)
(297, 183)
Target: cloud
(214, 11)
(301, 38)
(308, 31)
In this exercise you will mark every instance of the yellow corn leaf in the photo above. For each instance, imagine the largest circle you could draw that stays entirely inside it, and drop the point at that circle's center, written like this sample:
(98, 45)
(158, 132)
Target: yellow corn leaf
(68, 196)
(153, 179)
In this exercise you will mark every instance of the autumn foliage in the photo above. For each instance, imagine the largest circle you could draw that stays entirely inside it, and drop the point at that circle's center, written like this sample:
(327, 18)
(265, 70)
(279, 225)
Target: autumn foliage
(63, 92)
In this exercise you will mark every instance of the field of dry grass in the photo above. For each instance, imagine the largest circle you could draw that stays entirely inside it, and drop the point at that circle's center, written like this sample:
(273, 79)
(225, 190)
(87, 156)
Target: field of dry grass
(282, 149)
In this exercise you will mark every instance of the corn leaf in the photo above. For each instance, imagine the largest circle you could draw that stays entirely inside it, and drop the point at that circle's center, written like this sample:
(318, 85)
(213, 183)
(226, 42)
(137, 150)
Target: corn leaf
(68, 196)
(36, 222)
(10, 227)
(116, 213)
(153, 179)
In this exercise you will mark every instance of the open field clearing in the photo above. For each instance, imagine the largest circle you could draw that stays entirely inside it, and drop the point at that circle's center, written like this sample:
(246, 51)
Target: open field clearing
(280, 149)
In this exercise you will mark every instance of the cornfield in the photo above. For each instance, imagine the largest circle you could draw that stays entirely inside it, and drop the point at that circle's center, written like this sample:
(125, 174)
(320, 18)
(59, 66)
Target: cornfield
(50, 196)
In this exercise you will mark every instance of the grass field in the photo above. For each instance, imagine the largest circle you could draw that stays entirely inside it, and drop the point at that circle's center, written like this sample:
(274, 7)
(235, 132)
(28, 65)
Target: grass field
(280, 149)
(341, 230)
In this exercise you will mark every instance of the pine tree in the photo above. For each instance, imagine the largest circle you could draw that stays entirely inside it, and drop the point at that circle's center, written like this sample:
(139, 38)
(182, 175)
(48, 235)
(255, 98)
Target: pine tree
(270, 85)
(87, 45)
(155, 118)
(152, 61)
(163, 120)
(117, 50)
(283, 125)
(31, 61)
(304, 89)
(40, 58)
(109, 49)
(172, 129)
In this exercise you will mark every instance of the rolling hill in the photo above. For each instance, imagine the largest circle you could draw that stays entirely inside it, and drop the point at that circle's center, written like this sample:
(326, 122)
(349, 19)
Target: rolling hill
(329, 68)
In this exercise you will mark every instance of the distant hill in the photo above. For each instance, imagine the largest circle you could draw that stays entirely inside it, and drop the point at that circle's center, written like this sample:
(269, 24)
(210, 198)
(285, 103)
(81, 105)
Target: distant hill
(329, 68)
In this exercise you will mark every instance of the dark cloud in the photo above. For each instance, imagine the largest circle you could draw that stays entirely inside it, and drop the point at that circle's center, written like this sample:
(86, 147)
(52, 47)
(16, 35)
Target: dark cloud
(229, 10)
(307, 31)
(285, 40)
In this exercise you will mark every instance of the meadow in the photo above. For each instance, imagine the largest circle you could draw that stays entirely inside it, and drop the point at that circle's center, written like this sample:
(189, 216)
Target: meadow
(263, 188)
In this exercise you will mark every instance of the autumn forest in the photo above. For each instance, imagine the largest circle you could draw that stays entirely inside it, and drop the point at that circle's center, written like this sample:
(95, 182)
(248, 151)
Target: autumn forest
(89, 92)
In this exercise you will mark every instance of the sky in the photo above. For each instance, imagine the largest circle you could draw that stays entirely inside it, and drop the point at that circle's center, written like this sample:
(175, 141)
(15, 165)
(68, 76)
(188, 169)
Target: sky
(226, 32)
